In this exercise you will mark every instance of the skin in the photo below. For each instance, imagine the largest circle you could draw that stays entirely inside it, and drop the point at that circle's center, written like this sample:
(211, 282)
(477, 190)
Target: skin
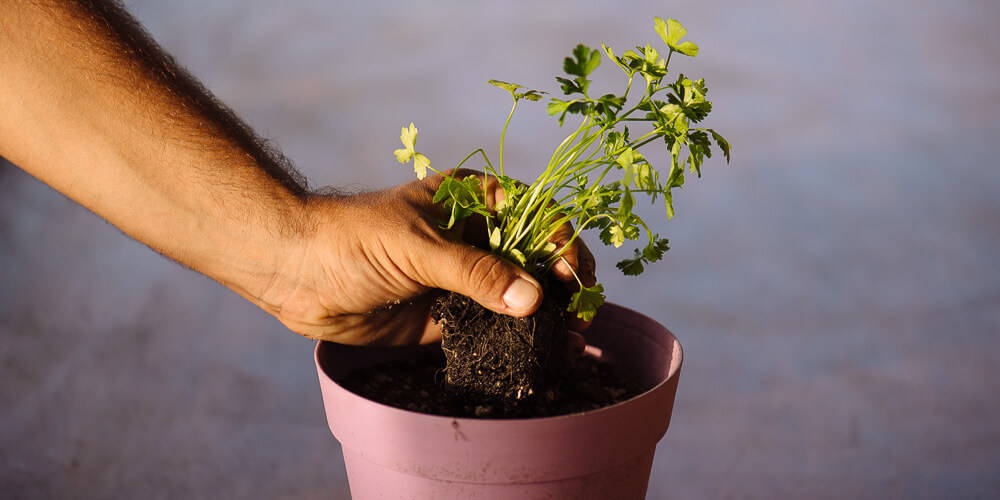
(91, 106)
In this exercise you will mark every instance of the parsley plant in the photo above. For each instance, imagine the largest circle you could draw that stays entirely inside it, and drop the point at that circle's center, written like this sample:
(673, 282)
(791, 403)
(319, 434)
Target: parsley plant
(594, 175)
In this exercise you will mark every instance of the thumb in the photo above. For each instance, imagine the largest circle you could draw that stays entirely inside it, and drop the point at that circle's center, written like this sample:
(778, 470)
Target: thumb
(486, 278)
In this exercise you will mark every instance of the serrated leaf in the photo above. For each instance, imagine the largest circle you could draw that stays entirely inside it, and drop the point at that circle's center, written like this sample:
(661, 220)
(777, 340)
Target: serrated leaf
(626, 160)
(632, 266)
(631, 231)
(651, 65)
(698, 86)
(698, 138)
(558, 107)
(509, 87)
(403, 155)
(461, 198)
(647, 178)
(586, 301)
(655, 249)
(583, 61)
(723, 144)
(613, 235)
(671, 32)
(408, 136)
(508, 184)
(617, 60)
(668, 201)
(577, 85)
(609, 105)
(615, 141)
(670, 111)
(650, 55)
(531, 95)
(625, 207)
(676, 177)
(617, 236)
(420, 165)
(698, 111)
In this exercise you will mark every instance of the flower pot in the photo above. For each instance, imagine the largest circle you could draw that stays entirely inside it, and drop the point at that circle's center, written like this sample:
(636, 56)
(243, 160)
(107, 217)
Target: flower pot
(606, 453)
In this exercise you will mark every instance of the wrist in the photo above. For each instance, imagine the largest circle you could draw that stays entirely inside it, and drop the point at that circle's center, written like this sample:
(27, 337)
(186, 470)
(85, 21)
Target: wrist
(293, 267)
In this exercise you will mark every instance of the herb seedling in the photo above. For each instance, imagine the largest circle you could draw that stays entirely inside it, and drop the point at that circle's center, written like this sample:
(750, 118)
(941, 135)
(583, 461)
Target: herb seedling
(594, 175)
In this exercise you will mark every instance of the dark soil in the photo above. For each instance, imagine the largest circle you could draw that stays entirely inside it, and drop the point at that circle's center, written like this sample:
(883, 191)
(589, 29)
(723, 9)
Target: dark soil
(497, 359)
(497, 366)
(418, 385)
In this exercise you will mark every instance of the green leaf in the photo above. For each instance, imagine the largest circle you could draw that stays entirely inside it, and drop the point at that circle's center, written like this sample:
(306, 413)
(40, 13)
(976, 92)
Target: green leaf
(676, 177)
(655, 249)
(615, 141)
(408, 136)
(509, 87)
(653, 252)
(542, 252)
(609, 105)
(583, 61)
(625, 208)
(632, 266)
(586, 301)
(671, 32)
(631, 230)
(531, 95)
(420, 165)
(495, 239)
(621, 229)
(670, 111)
(723, 144)
(577, 85)
(558, 107)
(647, 178)
(626, 160)
(699, 148)
(651, 65)
(616, 236)
(618, 61)
(518, 257)
(461, 198)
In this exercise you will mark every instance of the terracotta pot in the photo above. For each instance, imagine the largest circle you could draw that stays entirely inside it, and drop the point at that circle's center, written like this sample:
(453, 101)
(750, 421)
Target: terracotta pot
(607, 453)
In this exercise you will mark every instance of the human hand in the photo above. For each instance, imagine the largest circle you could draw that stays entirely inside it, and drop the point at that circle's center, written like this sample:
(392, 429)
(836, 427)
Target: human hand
(369, 266)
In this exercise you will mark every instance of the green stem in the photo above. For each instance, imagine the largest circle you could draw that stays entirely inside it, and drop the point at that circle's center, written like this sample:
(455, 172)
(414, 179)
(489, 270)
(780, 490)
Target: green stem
(503, 133)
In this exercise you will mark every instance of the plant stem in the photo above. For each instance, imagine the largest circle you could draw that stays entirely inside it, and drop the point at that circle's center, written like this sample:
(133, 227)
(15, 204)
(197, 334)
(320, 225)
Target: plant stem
(503, 133)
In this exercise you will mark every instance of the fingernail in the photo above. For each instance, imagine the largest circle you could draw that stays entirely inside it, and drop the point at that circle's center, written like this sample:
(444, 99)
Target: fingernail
(521, 295)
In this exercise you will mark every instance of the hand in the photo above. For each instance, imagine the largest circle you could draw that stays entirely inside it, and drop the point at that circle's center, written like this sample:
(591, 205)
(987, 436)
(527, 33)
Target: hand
(368, 270)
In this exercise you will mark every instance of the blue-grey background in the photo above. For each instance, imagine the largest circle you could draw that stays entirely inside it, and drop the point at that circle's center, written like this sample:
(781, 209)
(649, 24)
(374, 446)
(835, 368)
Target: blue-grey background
(836, 288)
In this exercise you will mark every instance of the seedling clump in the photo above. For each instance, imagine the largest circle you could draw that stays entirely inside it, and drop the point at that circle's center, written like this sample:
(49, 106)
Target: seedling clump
(591, 181)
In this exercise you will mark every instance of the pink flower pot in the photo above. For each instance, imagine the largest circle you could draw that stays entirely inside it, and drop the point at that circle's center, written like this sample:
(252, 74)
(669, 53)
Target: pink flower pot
(607, 453)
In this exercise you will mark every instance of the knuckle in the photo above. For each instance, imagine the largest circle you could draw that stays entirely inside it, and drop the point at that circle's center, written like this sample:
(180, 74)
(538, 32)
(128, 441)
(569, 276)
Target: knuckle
(488, 275)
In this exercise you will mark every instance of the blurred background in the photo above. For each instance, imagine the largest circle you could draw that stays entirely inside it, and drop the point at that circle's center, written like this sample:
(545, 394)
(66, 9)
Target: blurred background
(836, 288)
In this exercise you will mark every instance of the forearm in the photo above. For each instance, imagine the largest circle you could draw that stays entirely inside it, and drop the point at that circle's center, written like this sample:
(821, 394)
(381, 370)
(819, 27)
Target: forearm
(90, 105)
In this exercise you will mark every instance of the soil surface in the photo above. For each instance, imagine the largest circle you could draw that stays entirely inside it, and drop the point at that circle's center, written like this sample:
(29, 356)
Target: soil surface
(418, 385)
